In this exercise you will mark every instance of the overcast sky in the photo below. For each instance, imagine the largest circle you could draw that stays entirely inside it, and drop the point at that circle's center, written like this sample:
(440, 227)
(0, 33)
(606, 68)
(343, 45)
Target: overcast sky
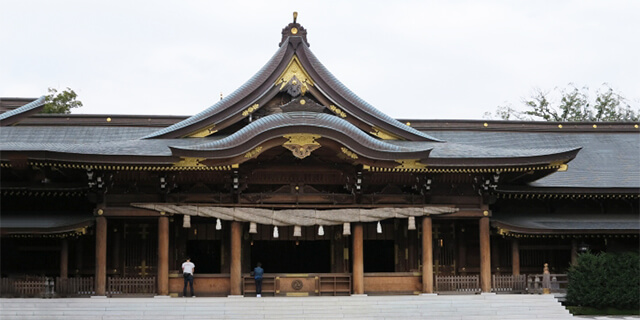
(410, 59)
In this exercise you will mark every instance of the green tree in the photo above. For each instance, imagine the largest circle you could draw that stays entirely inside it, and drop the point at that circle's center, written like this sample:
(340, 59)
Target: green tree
(60, 102)
(574, 105)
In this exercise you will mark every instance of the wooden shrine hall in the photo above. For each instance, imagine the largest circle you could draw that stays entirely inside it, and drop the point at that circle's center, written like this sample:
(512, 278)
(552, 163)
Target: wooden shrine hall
(295, 171)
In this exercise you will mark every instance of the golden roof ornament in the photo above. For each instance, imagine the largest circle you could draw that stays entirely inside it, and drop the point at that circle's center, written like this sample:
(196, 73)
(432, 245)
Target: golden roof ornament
(295, 16)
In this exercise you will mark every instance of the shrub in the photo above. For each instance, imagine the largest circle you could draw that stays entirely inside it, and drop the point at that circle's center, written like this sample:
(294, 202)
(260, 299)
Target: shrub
(605, 280)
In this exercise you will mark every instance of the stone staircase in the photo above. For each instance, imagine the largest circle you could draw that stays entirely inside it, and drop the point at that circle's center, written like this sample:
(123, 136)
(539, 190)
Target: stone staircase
(485, 306)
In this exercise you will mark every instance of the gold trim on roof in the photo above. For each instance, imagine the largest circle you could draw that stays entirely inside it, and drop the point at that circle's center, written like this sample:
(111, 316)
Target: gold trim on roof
(250, 110)
(337, 111)
(129, 167)
(189, 162)
(253, 153)
(203, 132)
(349, 153)
(410, 164)
(457, 170)
(382, 134)
(295, 69)
(302, 144)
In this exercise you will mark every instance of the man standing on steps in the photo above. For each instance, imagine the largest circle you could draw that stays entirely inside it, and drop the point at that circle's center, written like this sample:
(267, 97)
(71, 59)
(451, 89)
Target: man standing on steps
(187, 272)
(258, 272)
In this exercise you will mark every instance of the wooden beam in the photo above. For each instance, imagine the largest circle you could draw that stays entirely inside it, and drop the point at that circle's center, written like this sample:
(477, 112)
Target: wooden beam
(427, 255)
(236, 256)
(358, 259)
(515, 257)
(64, 258)
(163, 256)
(128, 212)
(485, 255)
(101, 256)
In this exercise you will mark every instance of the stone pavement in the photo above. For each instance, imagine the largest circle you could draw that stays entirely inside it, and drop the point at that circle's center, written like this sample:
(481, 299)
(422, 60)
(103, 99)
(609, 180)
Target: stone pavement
(442, 307)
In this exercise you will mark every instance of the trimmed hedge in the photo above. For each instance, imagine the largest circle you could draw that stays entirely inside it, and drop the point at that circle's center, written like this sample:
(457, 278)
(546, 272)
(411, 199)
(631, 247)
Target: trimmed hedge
(605, 280)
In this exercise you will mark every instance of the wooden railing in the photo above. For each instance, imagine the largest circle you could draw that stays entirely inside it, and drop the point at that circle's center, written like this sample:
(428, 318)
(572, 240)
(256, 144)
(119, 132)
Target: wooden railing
(27, 286)
(558, 283)
(131, 286)
(74, 286)
(509, 283)
(458, 284)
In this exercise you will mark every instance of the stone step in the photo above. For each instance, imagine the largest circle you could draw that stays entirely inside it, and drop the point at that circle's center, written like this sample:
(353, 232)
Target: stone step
(354, 307)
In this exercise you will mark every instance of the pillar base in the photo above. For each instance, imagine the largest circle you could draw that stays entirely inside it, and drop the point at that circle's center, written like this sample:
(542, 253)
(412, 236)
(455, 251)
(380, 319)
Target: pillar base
(98, 297)
(235, 296)
(359, 295)
(487, 293)
(161, 297)
(429, 294)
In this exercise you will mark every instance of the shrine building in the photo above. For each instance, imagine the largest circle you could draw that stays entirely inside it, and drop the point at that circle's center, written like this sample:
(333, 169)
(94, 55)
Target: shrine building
(297, 172)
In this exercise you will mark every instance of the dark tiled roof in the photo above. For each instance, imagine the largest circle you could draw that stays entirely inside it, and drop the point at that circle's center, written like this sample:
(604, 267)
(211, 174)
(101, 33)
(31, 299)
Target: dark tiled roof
(357, 101)
(231, 99)
(607, 160)
(10, 117)
(565, 222)
(307, 119)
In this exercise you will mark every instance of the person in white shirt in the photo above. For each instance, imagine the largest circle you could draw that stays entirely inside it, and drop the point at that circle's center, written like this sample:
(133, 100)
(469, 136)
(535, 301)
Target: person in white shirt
(187, 272)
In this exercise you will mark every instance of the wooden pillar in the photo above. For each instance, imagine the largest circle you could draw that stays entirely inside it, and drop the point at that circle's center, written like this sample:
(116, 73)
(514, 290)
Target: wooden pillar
(235, 280)
(101, 256)
(163, 256)
(64, 259)
(485, 255)
(79, 255)
(358, 259)
(515, 257)
(427, 255)
(574, 252)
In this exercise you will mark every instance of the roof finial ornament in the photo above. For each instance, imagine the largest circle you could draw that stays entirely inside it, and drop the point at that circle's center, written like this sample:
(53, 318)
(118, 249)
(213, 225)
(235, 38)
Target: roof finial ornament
(295, 16)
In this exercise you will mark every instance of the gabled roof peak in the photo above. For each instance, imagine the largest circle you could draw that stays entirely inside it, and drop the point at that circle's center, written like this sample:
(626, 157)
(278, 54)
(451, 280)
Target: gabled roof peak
(294, 29)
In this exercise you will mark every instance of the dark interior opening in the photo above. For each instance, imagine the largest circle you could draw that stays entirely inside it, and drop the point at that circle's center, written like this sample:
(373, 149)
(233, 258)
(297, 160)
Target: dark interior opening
(205, 254)
(378, 256)
(292, 256)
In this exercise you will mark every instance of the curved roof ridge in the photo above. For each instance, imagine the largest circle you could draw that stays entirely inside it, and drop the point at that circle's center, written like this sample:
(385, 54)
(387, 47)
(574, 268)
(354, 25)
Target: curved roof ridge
(231, 99)
(349, 95)
(10, 117)
(302, 118)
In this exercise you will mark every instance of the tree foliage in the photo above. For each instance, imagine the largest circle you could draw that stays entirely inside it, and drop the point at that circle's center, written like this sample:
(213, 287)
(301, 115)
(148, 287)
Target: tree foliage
(60, 102)
(574, 105)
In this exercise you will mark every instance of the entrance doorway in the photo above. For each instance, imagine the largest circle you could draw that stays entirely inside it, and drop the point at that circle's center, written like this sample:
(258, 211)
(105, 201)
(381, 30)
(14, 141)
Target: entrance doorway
(292, 256)
(205, 254)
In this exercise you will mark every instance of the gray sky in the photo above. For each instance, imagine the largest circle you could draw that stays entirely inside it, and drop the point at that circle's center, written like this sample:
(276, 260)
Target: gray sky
(410, 59)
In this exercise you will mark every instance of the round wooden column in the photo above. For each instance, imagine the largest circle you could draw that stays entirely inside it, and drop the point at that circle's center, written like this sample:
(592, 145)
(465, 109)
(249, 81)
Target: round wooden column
(101, 256)
(485, 255)
(358, 256)
(574, 252)
(235, 280)
(427, 255)
(515, 257)
(163, 256)
(64, 259)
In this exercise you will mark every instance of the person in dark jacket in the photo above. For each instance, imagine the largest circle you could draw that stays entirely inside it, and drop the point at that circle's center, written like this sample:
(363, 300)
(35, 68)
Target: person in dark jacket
(258, 272)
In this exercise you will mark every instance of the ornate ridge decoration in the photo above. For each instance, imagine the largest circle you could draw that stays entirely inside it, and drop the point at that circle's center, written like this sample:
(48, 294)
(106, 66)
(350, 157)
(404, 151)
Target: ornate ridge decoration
(250, 110)
(302, 144)
(294, 73)
(384, 135)
(253, 153)
(337, 111)
(349, 153)
(203, 133)
(190, 162)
